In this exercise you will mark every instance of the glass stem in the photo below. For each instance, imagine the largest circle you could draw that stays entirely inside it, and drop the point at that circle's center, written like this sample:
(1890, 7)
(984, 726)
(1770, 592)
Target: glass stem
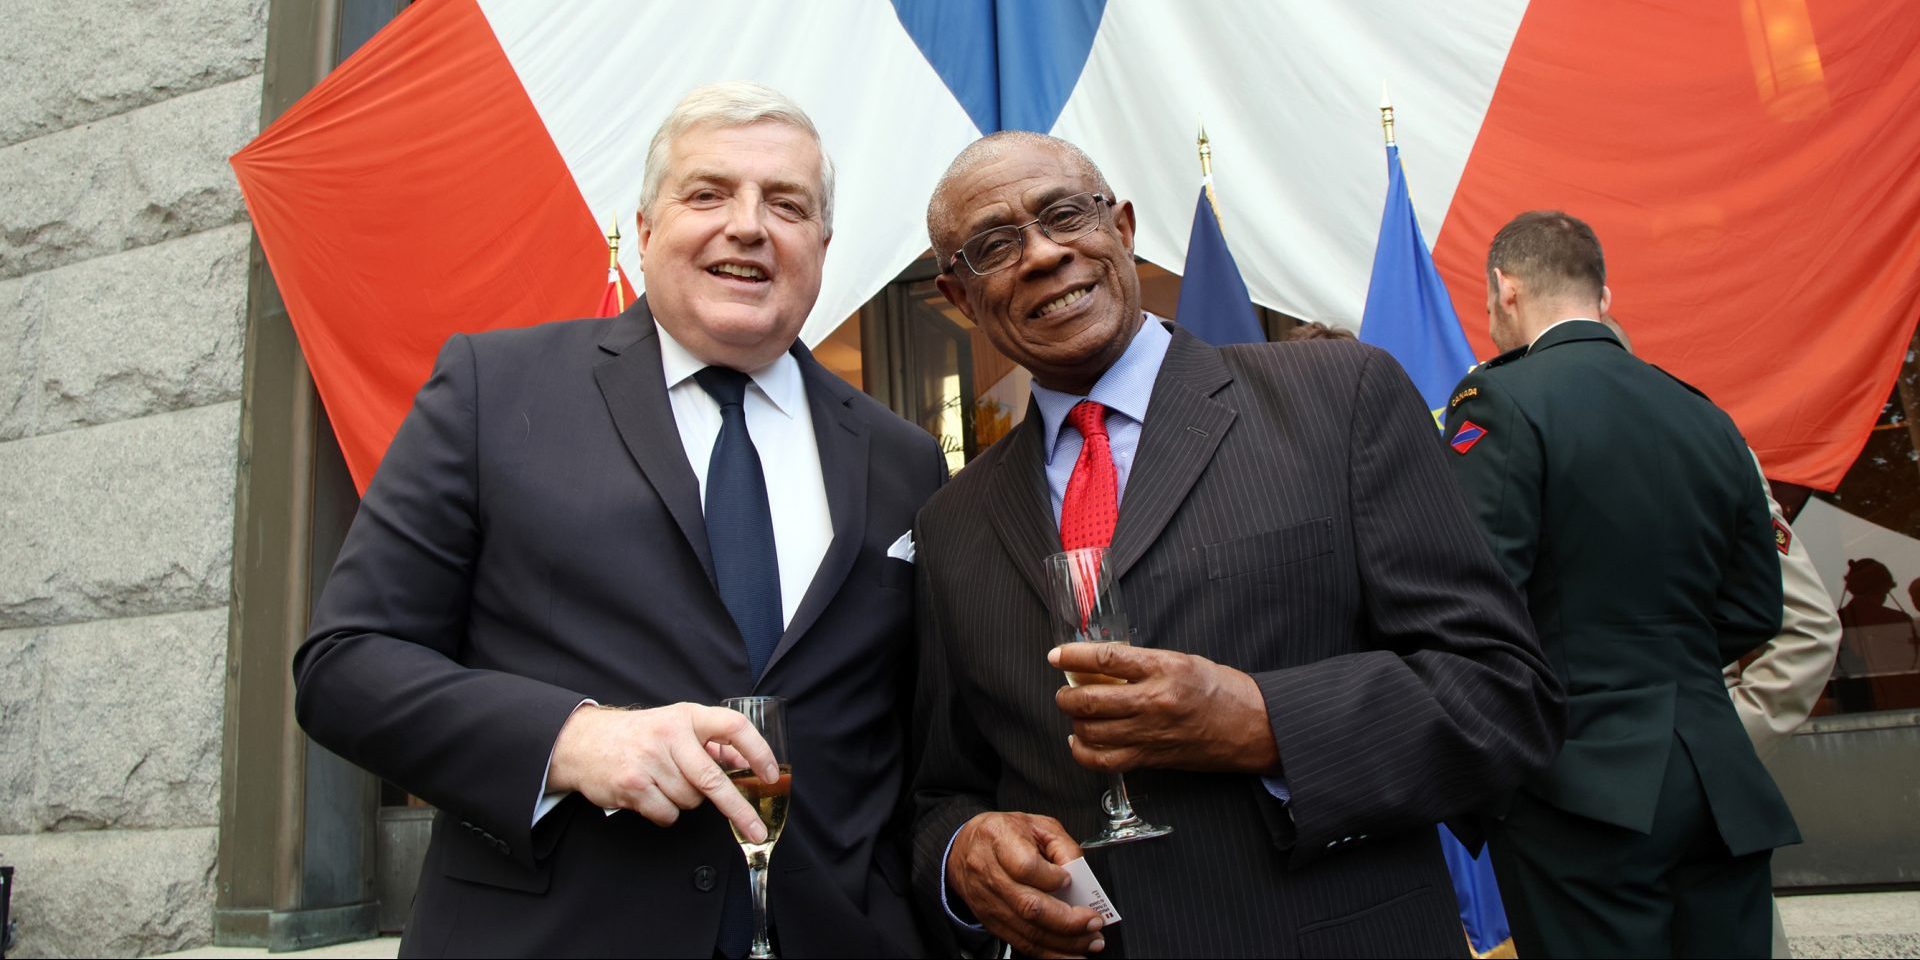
(1120, 810)
(757, 882)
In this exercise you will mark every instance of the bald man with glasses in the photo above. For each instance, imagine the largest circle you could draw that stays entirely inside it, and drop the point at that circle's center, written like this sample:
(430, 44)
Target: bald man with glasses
(1327, 658)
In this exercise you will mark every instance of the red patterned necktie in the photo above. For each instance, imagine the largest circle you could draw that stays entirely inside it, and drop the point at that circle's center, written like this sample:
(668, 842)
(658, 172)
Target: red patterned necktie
(1092, 502)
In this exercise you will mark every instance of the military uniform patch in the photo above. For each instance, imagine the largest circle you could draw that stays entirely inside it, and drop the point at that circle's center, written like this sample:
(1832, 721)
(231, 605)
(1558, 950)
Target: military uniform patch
(1782, 537)
(1467, 394)
(1464, 438)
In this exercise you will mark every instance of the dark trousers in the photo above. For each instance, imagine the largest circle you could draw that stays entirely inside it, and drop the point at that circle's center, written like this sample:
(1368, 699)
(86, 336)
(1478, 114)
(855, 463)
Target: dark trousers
(1576, 887)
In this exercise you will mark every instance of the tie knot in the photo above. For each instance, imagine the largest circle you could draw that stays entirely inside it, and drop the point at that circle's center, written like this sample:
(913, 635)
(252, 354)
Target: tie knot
(726, 386)
(1089, 418)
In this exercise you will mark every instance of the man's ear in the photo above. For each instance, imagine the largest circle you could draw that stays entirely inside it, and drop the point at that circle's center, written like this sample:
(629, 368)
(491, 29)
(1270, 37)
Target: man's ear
(645, 231)
(955, 292)
(1123, 222)
(1606, 300)
(1509, 288)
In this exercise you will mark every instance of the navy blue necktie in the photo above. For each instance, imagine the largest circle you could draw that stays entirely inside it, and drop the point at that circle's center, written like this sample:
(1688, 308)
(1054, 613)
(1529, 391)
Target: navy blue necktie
(740, 524)
(740, 533)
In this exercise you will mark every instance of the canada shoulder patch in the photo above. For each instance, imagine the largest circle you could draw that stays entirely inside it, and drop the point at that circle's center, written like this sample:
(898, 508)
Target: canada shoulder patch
(1466, 394)
(1782, 536)
(1469, 434)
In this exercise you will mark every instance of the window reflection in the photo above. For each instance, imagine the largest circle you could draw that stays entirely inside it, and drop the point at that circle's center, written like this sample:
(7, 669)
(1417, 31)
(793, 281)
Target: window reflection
(1865, 541)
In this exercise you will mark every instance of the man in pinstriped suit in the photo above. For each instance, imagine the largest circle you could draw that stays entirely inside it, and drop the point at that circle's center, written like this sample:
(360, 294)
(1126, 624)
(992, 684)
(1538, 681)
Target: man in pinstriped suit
(1328, 660)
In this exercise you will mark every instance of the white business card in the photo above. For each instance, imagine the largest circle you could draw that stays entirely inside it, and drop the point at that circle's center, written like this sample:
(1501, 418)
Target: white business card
(1084, 891)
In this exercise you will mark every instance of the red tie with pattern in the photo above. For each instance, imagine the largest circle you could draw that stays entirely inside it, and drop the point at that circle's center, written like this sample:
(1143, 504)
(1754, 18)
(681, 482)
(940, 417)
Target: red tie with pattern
(1092, 502)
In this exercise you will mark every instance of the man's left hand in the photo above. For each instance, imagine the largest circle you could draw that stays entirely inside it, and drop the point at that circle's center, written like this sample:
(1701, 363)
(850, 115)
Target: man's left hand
(1176, 711)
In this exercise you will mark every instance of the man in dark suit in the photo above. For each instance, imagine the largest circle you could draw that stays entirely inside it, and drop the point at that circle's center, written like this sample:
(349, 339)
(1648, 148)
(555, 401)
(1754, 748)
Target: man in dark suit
(1625, 505)
(586, 535)
(1327, 660)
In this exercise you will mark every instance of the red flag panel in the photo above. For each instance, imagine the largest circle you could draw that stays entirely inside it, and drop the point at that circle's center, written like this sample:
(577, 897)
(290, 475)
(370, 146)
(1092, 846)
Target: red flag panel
(414, 194)
(1753, 178)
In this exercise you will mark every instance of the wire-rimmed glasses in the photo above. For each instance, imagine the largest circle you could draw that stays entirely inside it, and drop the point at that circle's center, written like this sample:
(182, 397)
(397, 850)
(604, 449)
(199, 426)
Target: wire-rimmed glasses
(1063, 221)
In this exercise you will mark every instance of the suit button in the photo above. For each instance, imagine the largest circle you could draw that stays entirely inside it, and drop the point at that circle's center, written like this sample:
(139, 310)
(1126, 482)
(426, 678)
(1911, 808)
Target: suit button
(703, 879)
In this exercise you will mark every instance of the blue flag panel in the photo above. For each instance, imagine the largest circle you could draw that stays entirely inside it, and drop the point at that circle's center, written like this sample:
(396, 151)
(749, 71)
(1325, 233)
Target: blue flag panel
(1408, 312)
(1214, 303)
(1011, 63)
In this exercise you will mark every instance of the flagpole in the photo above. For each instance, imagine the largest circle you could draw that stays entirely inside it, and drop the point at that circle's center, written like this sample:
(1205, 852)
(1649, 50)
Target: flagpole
(1386, 114)
(1206, 171)
(613, 263)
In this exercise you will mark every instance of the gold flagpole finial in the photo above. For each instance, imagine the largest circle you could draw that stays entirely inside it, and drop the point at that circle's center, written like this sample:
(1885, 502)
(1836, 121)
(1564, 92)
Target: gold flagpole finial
(1386, 113)
(613, 264)
(1206, 170)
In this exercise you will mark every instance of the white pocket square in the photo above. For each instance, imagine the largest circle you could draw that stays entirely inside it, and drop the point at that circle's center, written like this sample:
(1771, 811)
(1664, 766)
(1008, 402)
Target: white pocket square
(902, 548)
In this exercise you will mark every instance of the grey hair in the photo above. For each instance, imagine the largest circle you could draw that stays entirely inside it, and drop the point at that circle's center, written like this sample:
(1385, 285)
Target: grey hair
(940, 215)
(731, 103)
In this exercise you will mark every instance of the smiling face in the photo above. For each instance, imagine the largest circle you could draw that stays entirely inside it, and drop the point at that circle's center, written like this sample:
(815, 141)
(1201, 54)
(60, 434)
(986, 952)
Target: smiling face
(1067, 311)
(733, 247)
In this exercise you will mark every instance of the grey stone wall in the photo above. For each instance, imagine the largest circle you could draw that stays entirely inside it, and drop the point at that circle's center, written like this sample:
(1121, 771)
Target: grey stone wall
(123, 256)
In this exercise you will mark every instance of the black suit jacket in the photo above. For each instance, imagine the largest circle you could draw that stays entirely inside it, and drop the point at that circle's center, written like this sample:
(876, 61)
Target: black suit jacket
(535, 536)
(1287, 514)
(1625, 505)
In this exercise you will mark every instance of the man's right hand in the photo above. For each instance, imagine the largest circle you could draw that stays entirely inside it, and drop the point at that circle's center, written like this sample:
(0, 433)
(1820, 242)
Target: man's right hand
(661, 761)
(1006, 866)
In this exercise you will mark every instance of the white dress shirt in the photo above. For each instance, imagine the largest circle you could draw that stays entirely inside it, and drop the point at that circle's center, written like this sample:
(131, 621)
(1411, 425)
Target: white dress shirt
(781, 424)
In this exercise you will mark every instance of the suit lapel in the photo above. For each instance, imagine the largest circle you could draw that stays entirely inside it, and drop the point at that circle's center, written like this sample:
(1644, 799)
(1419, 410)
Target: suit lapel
(1183, 428)
(843, 440)
(1018, 504)
(636, 393)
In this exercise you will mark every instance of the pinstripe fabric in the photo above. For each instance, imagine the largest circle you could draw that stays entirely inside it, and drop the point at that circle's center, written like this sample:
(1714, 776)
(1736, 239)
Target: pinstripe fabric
(1289, 514)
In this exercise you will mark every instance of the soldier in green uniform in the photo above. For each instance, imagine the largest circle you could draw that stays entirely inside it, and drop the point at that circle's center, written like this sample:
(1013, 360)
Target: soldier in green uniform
(1624, 505)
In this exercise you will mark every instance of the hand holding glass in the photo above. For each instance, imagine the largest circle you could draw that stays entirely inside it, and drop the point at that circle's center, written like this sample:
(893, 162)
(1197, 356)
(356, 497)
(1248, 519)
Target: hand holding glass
(769, 800)
(1084, 607)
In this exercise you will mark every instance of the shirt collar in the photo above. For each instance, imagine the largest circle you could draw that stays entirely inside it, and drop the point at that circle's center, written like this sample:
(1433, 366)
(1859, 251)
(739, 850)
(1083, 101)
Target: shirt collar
(1125, 388)
(779, 381)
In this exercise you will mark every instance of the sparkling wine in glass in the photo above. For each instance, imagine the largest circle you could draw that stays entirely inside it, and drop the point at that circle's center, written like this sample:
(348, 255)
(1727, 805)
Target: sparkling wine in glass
(1084, 606)
(769, 800)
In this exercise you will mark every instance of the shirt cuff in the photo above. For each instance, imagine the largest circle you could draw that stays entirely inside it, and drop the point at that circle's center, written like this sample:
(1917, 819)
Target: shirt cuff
(546, 800)
(944, 904)
(1278, 787)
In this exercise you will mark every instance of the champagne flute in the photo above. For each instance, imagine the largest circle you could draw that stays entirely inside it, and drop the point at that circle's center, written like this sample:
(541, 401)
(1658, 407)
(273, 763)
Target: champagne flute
(769, 800)
(1084, 603)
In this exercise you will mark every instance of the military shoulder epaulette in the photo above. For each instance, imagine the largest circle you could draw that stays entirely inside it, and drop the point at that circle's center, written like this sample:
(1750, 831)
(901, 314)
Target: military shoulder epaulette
(1696, 390)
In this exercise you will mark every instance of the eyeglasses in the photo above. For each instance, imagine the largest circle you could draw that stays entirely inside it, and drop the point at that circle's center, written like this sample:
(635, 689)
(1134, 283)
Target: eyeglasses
(1063, 221)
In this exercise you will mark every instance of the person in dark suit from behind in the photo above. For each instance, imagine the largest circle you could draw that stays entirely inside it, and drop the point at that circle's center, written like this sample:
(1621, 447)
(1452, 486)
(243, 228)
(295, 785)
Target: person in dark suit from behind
(1327, 660)
(1315, 330)
(1626, 507)
(586, 535)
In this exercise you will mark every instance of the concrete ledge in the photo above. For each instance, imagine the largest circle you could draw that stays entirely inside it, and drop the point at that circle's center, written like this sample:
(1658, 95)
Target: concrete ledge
(1853, 924)
(1818, 925)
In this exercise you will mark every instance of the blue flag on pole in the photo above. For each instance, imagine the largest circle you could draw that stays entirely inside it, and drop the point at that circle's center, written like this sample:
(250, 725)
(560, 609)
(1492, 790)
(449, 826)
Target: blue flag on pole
(1214, 303)
(1408, 313)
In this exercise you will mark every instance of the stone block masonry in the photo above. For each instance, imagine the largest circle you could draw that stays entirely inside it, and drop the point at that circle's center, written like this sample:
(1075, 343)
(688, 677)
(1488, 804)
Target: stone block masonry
(123, 290)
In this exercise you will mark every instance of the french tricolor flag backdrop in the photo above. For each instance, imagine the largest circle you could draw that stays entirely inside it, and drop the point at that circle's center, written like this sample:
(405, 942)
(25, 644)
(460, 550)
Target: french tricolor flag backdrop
(1750, 165)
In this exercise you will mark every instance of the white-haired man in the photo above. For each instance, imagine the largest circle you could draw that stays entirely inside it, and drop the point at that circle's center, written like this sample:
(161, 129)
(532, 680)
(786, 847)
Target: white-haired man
(586, 535)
